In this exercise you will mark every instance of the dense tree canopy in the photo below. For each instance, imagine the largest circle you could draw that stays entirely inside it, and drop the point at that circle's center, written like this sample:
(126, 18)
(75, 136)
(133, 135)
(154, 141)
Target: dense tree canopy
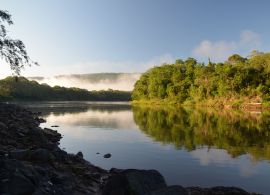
(12, 50)
(190, 80)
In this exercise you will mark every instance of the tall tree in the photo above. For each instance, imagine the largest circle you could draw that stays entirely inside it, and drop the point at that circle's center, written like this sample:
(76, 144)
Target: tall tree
(12, 50)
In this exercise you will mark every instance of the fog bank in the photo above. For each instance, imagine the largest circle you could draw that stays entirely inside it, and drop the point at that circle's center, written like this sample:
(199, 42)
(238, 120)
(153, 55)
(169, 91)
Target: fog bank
(97, 81)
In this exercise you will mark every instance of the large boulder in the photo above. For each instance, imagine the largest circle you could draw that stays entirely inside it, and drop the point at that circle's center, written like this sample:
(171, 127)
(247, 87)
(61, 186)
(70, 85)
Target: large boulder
(132, 181)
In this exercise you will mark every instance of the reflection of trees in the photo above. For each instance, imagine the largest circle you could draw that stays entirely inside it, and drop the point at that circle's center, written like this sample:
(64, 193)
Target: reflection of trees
(238, 133)
(62, 108)
(100, 115)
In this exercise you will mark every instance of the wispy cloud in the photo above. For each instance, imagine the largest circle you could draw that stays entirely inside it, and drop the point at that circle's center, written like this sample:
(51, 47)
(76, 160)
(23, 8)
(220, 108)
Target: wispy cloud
(220, 50)
(91, 66)
(120, 66)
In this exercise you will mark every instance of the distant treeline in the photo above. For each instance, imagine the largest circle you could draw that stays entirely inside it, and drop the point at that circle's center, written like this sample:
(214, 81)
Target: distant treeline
(188, 81)
(19, 88)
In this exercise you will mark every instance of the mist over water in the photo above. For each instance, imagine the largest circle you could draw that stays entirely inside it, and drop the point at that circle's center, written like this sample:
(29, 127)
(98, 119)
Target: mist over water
(98, 81)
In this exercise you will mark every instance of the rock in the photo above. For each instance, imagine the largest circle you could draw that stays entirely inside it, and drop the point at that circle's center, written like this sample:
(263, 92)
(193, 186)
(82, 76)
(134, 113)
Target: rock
(23, 130)
(144, 181)
(117, 184)
(54, 126)
(60, 155)
(171, 190)
(219, 190)
(107, 155)
(17, 177)
(3, 153)
(132, 181)
(19, 184)
(79, 154)
(3, 126)
(19, 154)
(40, 120)
(97, 153)
(42, 155)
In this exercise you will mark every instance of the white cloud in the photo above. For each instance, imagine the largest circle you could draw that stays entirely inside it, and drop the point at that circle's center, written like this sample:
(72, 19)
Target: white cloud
(219, 157)
(220, 50)
(250, 38)
(119, 66)
(215, 50)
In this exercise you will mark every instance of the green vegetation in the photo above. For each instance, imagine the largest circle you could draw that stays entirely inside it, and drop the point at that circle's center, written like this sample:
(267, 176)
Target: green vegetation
(235, 131)
(19, 88)
(238, 81)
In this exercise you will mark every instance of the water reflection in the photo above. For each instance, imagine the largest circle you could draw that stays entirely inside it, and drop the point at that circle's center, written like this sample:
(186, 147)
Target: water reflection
(236, 132)
(188, 146)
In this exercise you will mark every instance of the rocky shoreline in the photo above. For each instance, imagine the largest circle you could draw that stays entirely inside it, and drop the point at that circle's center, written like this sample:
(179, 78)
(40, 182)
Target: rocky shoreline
(31, 162)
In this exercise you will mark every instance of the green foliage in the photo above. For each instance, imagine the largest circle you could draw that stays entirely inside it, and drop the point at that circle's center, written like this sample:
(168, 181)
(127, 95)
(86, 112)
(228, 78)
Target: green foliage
(192, 81)
(19, 88)
(236, 132)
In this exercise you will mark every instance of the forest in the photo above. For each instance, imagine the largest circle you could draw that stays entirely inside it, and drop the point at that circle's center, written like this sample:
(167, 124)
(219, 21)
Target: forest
(20, 88)
(236, 81)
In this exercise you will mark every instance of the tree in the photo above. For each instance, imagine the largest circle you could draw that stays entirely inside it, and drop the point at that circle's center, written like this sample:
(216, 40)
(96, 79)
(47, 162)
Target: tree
(236, 58)
(12, 50)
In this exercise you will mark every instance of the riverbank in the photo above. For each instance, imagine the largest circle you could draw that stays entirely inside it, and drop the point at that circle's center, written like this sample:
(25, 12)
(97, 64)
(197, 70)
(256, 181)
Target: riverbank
(240, 104)
(32, 163)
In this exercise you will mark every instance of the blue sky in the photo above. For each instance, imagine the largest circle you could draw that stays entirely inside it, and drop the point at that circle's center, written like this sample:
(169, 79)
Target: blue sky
(87, 36)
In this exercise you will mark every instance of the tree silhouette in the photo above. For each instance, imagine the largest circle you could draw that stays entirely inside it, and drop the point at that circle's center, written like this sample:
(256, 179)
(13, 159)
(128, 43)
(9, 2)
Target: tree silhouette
(12, 50)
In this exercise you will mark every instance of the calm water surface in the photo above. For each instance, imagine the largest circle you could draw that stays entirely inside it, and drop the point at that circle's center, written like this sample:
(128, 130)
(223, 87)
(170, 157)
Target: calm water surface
(187, 146)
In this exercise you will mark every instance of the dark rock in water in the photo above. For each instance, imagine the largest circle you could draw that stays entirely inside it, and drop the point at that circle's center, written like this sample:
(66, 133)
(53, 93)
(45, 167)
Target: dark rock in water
(107, 155)
(219, 190)
(144, 181)
(132, 181)
(171, 190)
(54, 126)
(79, 154)
(40, 120)
(117, 184)
(97, 153)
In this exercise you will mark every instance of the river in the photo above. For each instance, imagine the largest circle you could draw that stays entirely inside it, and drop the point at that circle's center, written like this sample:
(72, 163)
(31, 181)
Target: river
(189, 147)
